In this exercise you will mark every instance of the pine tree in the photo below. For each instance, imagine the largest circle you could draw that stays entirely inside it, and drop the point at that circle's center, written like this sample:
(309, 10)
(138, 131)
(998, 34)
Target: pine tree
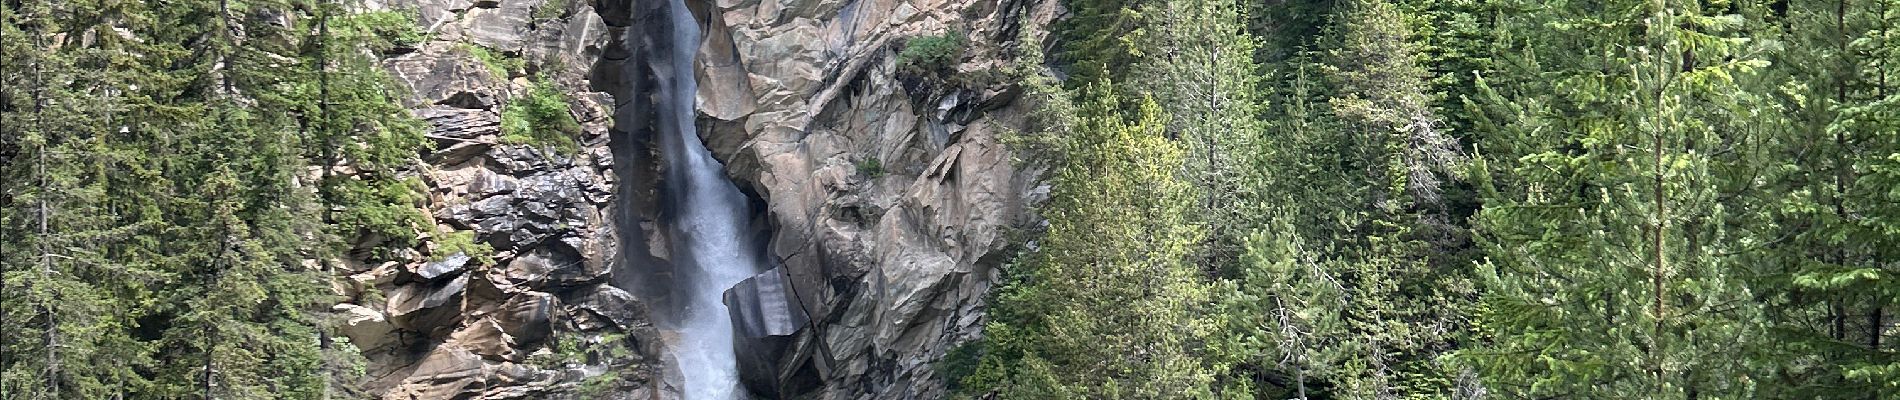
(1284, 316)
(1359, 161)
(1109, 294)
(1201, 61)
(1286, 29)
(1102, 39)
(350, 117)
(154, 228)
(234, 314)
(1456, 42)
(1830, 248)
(65, 283)
(355, 122)
(1609, 270)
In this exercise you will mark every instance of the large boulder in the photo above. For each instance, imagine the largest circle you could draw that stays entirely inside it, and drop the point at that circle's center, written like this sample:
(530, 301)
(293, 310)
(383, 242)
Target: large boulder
(447, 373)
(554, 264)
(368, 329)
(422, 306)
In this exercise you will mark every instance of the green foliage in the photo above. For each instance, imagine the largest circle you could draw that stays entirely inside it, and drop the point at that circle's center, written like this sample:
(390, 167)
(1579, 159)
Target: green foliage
(566, 350)
(389, 209)
(355, 122)
(372, 295)
(870, 167)
(64, 287)
(1283, 314)
(959, 363)
(540, 117)
(501, 65)
(1101, 39)
(550, 9)
(1610, 266)
(1111, 279)
(1287, 29)
(931, 55)
(463, 242)
(1356, 199)
(1399, 257)
(1052, 111)
(1832, 267)
(1454, 41)
(183, 157)
(1211, 86)
(387, 29)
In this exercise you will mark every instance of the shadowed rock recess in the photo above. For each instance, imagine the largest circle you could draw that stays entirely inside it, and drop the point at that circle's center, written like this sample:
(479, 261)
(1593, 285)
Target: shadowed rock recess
(582, 295)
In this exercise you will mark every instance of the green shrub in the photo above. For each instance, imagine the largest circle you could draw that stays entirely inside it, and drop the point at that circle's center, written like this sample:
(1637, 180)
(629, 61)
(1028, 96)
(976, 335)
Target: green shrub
(569, 348)
(463, 242)
(371, 296)
(871, 167)
(389, 208)
(390, 28)
(960, 362)
(502, 65)
(931, 55)
(550, 9)
(540, 117)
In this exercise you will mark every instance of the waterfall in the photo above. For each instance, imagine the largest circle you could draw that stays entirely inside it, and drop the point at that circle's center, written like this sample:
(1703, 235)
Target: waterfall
(712, 248)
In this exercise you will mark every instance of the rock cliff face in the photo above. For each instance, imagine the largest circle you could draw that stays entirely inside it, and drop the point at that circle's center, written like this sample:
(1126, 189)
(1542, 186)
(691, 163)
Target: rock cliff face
(887, 197)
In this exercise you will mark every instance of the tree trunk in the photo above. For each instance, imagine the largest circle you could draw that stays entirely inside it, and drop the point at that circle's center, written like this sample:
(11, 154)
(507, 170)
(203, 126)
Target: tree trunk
(329, 154)
(1661, 225)
(50, 337)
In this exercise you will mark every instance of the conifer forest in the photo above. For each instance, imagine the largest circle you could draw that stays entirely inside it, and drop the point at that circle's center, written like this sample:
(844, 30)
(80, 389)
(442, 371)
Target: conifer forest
(959, 199)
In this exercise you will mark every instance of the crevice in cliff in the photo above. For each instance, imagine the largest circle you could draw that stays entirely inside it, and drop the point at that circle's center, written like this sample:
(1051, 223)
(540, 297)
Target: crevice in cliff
(661, 197)
(640, 268)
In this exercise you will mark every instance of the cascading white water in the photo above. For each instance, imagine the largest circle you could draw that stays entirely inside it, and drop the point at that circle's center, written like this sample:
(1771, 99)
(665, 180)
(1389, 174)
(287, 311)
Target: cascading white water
(712, 249)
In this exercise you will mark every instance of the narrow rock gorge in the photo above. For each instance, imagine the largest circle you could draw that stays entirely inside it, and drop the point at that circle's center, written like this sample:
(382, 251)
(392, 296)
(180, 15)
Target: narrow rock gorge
(873, 206)
(949, 199)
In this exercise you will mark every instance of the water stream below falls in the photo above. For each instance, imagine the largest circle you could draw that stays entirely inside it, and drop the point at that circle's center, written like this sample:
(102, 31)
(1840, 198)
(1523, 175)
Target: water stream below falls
(712, 249)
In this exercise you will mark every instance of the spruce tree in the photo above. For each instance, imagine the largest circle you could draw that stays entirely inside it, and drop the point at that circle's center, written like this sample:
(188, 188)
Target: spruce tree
(1110, 294)
(1609, 268)
(1828, 249)
(1358, 162)
(65, 284)
(1201, 64)
(1285, 321)
(234, 313)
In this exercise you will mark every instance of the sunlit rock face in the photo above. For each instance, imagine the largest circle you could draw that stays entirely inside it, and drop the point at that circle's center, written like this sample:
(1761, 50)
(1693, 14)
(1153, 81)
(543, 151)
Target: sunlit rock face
(893, 265)
(792, 98)
(437, 324)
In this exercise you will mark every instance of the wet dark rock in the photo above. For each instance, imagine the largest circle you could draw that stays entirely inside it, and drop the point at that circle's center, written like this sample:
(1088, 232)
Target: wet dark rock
(608, 305)
(480, 100)
(764, 305)
(451, 328)
(527, 316)
(488, 183)
(451, 264)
